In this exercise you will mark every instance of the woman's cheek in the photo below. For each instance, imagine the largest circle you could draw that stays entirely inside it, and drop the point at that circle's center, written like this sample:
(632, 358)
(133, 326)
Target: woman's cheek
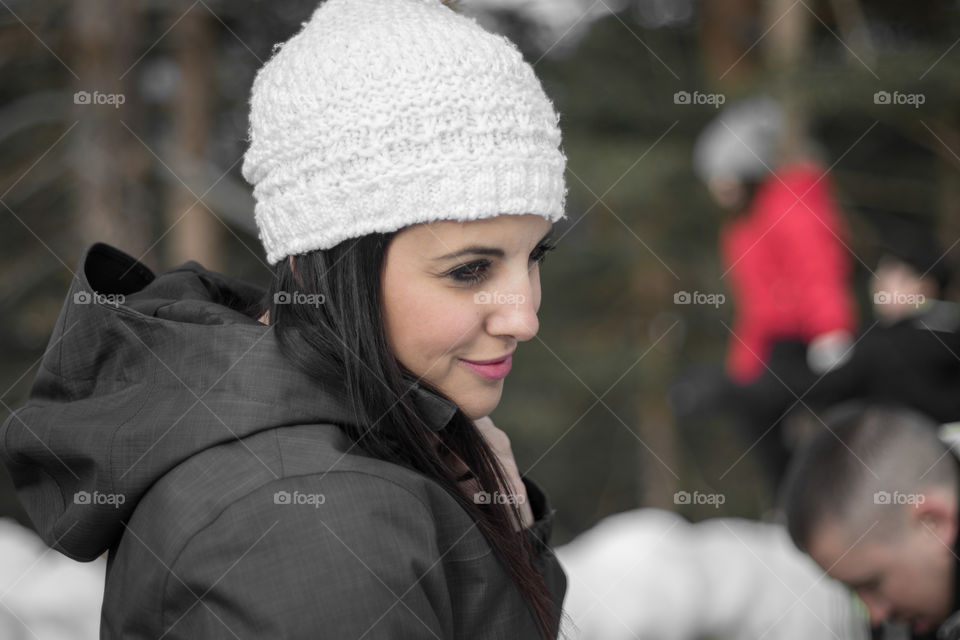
(448, 329)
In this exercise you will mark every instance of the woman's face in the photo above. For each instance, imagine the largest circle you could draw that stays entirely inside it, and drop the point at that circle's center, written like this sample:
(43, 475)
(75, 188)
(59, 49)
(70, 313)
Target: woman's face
(459, 296)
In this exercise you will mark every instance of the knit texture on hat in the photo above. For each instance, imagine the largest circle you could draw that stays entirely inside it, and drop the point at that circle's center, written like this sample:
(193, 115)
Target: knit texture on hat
(380, 114)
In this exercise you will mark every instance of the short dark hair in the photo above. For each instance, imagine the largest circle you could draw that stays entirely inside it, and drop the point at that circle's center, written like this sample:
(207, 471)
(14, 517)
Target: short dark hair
(862, 451)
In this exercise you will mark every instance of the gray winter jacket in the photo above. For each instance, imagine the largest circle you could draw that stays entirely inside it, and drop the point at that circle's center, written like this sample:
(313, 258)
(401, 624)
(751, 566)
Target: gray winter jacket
(165, 428)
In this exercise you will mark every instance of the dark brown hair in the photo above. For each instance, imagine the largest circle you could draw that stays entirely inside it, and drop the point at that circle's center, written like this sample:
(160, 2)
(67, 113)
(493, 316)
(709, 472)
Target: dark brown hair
(344, 337)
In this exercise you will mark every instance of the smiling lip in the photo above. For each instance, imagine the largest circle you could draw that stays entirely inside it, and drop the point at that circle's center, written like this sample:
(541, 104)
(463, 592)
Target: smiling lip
(495, 369)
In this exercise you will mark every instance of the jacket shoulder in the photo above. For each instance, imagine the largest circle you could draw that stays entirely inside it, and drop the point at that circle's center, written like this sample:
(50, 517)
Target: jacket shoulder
(292, 508)
(291, 532)
(293, 464)
(347, 552)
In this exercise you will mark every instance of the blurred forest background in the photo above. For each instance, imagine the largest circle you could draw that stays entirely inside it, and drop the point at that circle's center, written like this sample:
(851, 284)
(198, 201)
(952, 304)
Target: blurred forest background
(151, 164)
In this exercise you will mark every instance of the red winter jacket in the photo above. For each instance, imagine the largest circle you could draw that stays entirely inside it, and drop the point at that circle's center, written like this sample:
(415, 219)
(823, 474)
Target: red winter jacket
(788, 268)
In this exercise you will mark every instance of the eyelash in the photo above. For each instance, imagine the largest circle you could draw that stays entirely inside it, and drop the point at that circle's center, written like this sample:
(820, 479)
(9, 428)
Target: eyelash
(474, 272)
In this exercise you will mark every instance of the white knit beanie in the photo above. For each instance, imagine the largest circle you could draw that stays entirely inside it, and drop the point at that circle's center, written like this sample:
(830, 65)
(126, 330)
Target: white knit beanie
(380, 114)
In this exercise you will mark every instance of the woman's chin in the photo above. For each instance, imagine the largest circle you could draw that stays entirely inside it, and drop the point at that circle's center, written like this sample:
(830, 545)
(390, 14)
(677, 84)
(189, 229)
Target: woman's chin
(480, 403)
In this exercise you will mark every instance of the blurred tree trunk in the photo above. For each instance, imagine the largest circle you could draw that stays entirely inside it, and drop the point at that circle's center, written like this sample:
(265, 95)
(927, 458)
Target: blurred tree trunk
(727, 32)
(657, 428)
(788, 26)
(852, 24)
(108, 162)
(659, 466)
(194, 230)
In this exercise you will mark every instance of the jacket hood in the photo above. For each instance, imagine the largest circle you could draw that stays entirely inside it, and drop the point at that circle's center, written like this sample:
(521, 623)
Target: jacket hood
(141, 373)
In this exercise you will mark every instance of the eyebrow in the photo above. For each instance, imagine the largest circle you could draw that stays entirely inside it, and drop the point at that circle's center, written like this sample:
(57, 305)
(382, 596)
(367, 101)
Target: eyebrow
(486, 251)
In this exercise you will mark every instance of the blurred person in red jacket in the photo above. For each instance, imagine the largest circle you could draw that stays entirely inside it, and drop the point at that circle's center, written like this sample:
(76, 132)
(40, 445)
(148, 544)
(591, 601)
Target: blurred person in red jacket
(783, 247)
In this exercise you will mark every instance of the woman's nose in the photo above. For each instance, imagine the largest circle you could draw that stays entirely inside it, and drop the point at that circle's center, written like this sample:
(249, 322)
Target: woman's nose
(514, 312)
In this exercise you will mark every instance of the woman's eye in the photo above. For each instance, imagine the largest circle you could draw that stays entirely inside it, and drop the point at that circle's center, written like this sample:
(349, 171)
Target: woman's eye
(540, 253)
(471, 273)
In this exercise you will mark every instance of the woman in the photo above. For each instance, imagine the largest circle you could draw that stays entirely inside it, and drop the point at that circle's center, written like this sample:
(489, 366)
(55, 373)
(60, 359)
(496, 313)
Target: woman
(335, 473)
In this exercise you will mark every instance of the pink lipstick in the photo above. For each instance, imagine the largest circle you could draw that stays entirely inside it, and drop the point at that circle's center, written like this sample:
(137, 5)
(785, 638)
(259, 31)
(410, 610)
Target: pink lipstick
(496, 369)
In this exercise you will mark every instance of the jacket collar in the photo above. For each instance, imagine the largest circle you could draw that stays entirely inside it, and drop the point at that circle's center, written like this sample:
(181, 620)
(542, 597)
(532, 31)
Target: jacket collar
(435, 410)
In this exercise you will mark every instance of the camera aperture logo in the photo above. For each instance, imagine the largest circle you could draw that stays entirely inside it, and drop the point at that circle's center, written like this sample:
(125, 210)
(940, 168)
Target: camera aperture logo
(715, 100)
(298, 297)
(112, 499)
(497, 497)
(86, 97)
(910, 99)
(685, 497)
(885, 497)
(94, 297)
(685, 297)
(496, 297)
(296, 497)
(898, 298)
